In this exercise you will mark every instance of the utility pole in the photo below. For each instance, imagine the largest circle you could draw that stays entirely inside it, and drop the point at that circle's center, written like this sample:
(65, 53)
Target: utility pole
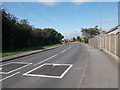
(100, 26)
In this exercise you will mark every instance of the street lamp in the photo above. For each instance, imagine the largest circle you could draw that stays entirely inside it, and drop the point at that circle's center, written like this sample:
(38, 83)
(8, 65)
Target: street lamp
(100, 27)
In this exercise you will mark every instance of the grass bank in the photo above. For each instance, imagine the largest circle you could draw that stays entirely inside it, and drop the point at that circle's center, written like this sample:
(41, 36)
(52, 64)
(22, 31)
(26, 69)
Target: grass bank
(22, 50)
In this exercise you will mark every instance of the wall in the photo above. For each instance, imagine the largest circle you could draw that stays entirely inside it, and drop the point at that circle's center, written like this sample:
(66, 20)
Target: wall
(109, 43)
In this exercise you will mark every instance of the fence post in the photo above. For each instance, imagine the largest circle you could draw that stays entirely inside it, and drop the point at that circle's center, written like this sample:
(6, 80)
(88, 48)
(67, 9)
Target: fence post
(105, 42)
(100, 41)
(109, 43)
(115, 44)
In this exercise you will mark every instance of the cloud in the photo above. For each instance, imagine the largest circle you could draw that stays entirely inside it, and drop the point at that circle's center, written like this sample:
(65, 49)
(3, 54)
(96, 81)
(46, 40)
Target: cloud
(53, 1)
(112, 19)
(79, 1)
(102, 20)
(107, 29)
(72, 34)
(48, 2)
(109, 20)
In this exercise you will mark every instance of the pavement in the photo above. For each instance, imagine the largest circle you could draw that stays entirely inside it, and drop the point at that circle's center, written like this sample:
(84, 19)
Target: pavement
(70, 66)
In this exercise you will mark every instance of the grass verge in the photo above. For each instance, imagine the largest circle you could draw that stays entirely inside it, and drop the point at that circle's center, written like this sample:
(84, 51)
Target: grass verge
(23, 50)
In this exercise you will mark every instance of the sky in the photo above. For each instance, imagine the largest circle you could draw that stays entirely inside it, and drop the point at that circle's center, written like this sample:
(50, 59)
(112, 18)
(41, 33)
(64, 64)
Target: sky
(66, 17)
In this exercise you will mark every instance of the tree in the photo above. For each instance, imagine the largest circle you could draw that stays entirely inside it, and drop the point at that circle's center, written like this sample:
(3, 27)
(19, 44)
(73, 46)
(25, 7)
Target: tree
(24, 21)
(78, 38)
(74, 39)
(90, 32)
(86, 40)
(53, 36)
(21, 35)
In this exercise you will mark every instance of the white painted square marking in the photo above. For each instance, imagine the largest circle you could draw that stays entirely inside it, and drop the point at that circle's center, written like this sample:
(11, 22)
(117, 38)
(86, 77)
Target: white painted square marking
(50, 76)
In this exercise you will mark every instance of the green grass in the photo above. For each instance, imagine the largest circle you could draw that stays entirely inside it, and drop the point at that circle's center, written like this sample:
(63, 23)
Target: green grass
(52, 45)
(18, 51)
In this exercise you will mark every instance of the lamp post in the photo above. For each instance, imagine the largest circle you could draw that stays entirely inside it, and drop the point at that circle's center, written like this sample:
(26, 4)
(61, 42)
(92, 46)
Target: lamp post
(100, 27)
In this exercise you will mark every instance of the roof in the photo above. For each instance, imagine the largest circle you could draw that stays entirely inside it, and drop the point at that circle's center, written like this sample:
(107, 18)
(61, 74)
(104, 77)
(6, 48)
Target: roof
(113, 29)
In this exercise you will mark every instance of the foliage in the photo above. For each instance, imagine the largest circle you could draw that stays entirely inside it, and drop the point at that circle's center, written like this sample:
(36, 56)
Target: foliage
(90, 32)
(74, 39)
(17, 35)
(78, 38)
(86, 39)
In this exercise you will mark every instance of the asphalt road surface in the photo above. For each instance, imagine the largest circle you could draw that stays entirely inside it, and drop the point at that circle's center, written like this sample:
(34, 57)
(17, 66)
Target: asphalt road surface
(70, 66)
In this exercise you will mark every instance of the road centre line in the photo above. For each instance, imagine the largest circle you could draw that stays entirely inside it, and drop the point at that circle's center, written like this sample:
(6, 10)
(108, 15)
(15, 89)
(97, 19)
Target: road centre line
(46, 59)
(71, 46)
(68, 47)
(9, 76)
(51, 57)
(63, 51)
(83, 75)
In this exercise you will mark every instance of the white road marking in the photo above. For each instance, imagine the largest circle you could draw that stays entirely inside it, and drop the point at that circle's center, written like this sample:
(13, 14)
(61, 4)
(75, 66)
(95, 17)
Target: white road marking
(83, 75)
(66, 70)
(9, 76)
(27, 73)
(63, 51)
(68, 47)
(14, 62)
(0, 64)
(71, 46)
(17, 68)
(46, 59)
(51, 57)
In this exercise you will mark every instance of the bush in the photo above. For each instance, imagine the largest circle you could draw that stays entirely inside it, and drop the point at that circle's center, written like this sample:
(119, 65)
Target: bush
(86, 40)
(16, 35)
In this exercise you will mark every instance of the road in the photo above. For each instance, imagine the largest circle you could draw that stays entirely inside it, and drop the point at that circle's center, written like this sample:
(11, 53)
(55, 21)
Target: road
(70, 66)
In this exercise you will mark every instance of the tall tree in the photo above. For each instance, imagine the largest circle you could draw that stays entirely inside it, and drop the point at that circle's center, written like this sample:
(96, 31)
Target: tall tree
(21, 35)
(74, 39)
(78, 38)
(90, 32)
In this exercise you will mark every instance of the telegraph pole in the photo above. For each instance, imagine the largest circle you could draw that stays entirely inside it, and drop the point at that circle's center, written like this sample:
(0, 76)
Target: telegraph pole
(100, 26)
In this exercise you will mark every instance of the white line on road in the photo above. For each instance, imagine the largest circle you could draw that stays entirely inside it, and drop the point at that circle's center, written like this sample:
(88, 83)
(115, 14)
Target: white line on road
(9, 76)
(37, 75)
(15, 69)
(68, 47)
(71, 46)
(45, 60)
(15, 63)
(66, 71)
(83, 75)
(51, 57)
(63, 51)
